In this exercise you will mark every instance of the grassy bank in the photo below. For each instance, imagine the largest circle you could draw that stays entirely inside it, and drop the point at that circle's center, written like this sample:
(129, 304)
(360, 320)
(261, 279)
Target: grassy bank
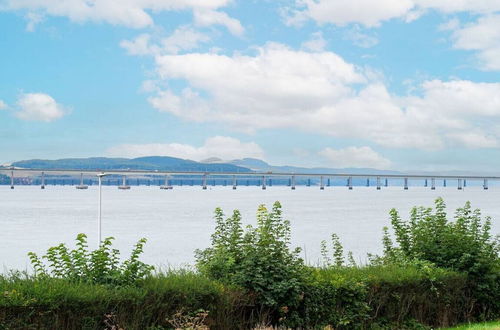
(345, 298)
(478, 326)
(433, 273)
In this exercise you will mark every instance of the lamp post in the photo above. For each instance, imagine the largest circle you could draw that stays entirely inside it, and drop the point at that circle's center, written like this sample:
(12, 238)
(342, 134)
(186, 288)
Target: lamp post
(99, 211)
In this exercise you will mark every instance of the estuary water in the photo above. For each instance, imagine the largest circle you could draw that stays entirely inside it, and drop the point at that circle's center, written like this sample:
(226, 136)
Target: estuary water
(179, 221)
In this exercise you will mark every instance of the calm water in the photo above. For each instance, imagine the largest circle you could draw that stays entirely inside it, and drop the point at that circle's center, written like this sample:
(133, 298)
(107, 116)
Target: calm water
(178, 221)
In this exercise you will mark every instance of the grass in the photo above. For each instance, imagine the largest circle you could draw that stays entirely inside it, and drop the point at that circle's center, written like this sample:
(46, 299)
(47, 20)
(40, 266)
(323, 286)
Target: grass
(478, 326)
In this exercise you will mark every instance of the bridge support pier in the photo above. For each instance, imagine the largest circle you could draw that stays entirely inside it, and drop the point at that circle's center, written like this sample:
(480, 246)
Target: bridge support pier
(204, 182)
(166, 185)
(82, 186)
(123, 186)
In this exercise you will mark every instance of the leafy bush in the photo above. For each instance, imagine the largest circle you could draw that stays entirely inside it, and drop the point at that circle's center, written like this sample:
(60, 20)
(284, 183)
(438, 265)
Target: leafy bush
(101, 266)
(258, 259)
(464, 245)
(331, 299)
(407, 294)
(337, 257)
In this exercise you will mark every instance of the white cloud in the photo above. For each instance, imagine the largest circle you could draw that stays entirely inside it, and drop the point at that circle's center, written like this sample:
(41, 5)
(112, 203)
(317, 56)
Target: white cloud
(140, 45)
(355, 157)
(450, 25)
(474, 140)
(361, 39)
(207, 17)
(130, 13)
(149, 86)
(372, 13)
(320, 92)
(342, 12)
(460, 98)
(33, 19)
(454, 6)
(182, 39)
(316, 44)
(482, 36)
(223, 147)
(275, 74)
(39, 107)
(3, 105)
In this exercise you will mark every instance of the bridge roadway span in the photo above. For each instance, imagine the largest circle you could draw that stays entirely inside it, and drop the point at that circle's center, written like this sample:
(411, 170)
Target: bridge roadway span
(461, 179)
(25, 172)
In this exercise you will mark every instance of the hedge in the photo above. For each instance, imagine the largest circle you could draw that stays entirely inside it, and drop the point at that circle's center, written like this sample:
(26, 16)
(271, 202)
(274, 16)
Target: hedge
(387, 297)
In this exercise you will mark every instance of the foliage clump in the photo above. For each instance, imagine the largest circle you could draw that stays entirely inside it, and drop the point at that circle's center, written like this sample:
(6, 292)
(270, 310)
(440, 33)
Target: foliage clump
(101, 266)
(258, 259)
(464, 245)
(336, 257)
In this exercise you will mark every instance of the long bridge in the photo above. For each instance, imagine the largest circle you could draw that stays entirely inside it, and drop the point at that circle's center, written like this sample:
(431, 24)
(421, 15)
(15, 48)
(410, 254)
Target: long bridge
(264, 179)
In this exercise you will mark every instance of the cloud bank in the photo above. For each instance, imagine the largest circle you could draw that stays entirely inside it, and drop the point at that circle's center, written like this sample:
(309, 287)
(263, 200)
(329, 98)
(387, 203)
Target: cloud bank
(320, 92)
(361, 157)
(129, 13)
(226, 148)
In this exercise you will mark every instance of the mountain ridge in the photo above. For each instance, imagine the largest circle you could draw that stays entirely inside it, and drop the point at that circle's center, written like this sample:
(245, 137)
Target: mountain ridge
(163, 163)
(212, 164)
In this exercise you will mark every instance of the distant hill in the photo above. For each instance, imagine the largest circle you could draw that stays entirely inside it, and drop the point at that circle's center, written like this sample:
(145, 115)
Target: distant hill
(165, 163)
(260, 165)
(143, 163)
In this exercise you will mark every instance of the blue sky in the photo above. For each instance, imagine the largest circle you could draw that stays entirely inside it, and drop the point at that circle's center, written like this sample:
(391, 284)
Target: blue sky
(390, 84)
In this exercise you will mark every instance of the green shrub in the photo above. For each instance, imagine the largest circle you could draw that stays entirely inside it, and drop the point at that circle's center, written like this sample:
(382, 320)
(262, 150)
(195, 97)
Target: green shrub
(101, 266)
(464, 245)
(332, 299)
(258, 259)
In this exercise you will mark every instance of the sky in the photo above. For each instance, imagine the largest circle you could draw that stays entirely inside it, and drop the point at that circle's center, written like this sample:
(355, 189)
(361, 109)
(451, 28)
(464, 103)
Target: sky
(386, 84)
